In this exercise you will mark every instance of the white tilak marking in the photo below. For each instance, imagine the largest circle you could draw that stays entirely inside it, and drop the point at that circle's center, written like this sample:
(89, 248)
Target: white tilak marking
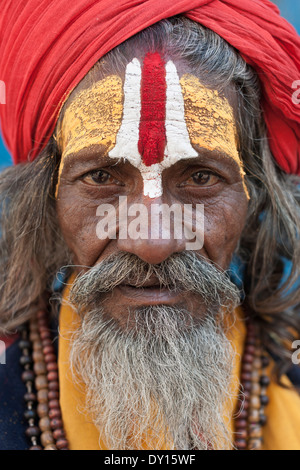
(178, 142)
(128, 135)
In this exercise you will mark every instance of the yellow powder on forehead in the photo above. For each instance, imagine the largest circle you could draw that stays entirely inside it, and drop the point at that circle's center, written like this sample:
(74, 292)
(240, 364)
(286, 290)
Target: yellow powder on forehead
(209, 118)
(93, 118)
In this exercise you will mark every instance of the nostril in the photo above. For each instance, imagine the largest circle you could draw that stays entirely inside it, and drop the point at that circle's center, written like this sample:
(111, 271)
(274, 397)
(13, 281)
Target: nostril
(152, 251)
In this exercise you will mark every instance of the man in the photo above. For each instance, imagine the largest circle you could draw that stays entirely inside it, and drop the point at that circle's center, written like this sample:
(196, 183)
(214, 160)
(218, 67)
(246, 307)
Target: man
(171, 335)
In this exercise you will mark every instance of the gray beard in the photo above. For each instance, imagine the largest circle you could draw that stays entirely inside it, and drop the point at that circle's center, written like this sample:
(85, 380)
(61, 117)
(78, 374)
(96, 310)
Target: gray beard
(167, 382)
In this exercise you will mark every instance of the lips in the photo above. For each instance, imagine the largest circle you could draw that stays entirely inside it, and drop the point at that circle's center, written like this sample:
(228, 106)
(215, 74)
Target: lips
(148, 292)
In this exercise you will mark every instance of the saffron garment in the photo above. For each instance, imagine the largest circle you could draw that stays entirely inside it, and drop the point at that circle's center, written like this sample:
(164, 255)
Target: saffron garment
(283, 411)
(71, 38)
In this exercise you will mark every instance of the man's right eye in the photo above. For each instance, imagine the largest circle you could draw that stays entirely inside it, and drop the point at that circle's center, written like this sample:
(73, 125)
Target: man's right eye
(99, 177)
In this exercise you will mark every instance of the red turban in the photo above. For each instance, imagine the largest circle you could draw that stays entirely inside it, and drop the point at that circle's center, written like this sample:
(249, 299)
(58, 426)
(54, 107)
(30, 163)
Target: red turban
(48, 46)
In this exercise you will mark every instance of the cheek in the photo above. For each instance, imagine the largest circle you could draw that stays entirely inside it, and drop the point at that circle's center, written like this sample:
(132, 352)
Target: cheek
(224, 223)
(78, 221)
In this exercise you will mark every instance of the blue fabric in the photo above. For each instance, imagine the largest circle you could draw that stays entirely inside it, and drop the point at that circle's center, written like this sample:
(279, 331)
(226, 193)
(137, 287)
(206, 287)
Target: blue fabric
(294, 375)
(12, 406)
(236, 271)
(5, 158)
(290, 9)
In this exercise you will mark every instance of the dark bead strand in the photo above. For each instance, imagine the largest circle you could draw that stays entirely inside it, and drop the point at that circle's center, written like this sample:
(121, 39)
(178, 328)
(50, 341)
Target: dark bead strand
(41, 371)
(241, 421)
(252, 398)
(54, 413)
(254, 427)
(41, 384)
(32, 431)
(264, 399)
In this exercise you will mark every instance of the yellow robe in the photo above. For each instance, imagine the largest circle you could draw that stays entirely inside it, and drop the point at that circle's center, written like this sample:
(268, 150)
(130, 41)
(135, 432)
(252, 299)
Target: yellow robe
(282, 431)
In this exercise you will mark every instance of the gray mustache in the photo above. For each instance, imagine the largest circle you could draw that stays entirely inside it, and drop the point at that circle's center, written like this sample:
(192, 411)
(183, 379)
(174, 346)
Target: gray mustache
(185, 271)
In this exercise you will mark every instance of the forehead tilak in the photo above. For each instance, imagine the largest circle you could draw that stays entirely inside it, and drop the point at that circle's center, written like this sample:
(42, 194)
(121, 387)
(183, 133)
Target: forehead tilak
(152, 120)
(93, 117)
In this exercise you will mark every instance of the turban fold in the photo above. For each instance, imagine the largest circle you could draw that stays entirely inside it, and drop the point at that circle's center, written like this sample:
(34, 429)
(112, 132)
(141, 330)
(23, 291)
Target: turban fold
(48, 46)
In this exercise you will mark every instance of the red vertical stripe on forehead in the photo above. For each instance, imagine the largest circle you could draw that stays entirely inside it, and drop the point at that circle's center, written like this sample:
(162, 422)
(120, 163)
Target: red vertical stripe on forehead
(152, 132)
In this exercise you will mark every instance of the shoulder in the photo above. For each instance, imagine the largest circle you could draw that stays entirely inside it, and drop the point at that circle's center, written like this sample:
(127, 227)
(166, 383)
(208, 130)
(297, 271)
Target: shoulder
(12, 424)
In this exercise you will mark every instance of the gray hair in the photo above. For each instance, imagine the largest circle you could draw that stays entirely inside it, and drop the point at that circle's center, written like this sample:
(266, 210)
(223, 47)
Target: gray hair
(272, 229)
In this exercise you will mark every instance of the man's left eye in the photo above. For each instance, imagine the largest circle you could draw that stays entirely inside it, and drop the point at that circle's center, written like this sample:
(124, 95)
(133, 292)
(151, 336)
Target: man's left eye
(99, 177)
(203, 178)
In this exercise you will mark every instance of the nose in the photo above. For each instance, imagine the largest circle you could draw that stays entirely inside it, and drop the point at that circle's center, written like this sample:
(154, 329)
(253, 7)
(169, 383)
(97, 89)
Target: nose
(154, 243)
(151, 251)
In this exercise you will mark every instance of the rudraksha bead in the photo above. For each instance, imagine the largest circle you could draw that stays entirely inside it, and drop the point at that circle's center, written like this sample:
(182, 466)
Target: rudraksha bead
(32, 431)
(44, 423)
(40, 368)
(58, 434)
(24, 344)
(49, 350)
(241, 424)
(264, 381)
(250, 420)
(30, 397)
(42, 410)
(42, 395)
(28, 376)
(56, 423)
(52, 376)
(53, 394)
(41, 382)
(241, 444)
(254, 444)
(47, 438)
(53, 404)
(264, 400)
(25, 360)
(61, 444)
(54, 386)
(29, 414)
(54, 413)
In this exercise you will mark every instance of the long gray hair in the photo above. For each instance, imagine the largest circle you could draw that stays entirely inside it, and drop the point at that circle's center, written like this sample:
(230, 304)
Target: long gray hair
(32, 249)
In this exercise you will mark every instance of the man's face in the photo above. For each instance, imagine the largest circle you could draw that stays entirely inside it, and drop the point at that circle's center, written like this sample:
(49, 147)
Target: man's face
(155, 134)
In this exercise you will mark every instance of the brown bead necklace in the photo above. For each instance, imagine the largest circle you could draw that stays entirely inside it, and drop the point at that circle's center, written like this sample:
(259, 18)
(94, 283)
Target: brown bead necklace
(43, 414)
(253, 396)
(41, 375)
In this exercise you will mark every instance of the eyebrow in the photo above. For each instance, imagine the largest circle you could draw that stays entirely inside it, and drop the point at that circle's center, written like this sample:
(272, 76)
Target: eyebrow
(98, 155)
(87, 155)
(213, 155)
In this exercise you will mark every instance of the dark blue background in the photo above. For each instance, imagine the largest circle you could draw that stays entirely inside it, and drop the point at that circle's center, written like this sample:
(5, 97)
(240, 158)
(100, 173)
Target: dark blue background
(290, 9)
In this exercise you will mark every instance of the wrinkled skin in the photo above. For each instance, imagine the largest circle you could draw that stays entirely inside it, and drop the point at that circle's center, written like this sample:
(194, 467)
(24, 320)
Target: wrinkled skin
(211, 179)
